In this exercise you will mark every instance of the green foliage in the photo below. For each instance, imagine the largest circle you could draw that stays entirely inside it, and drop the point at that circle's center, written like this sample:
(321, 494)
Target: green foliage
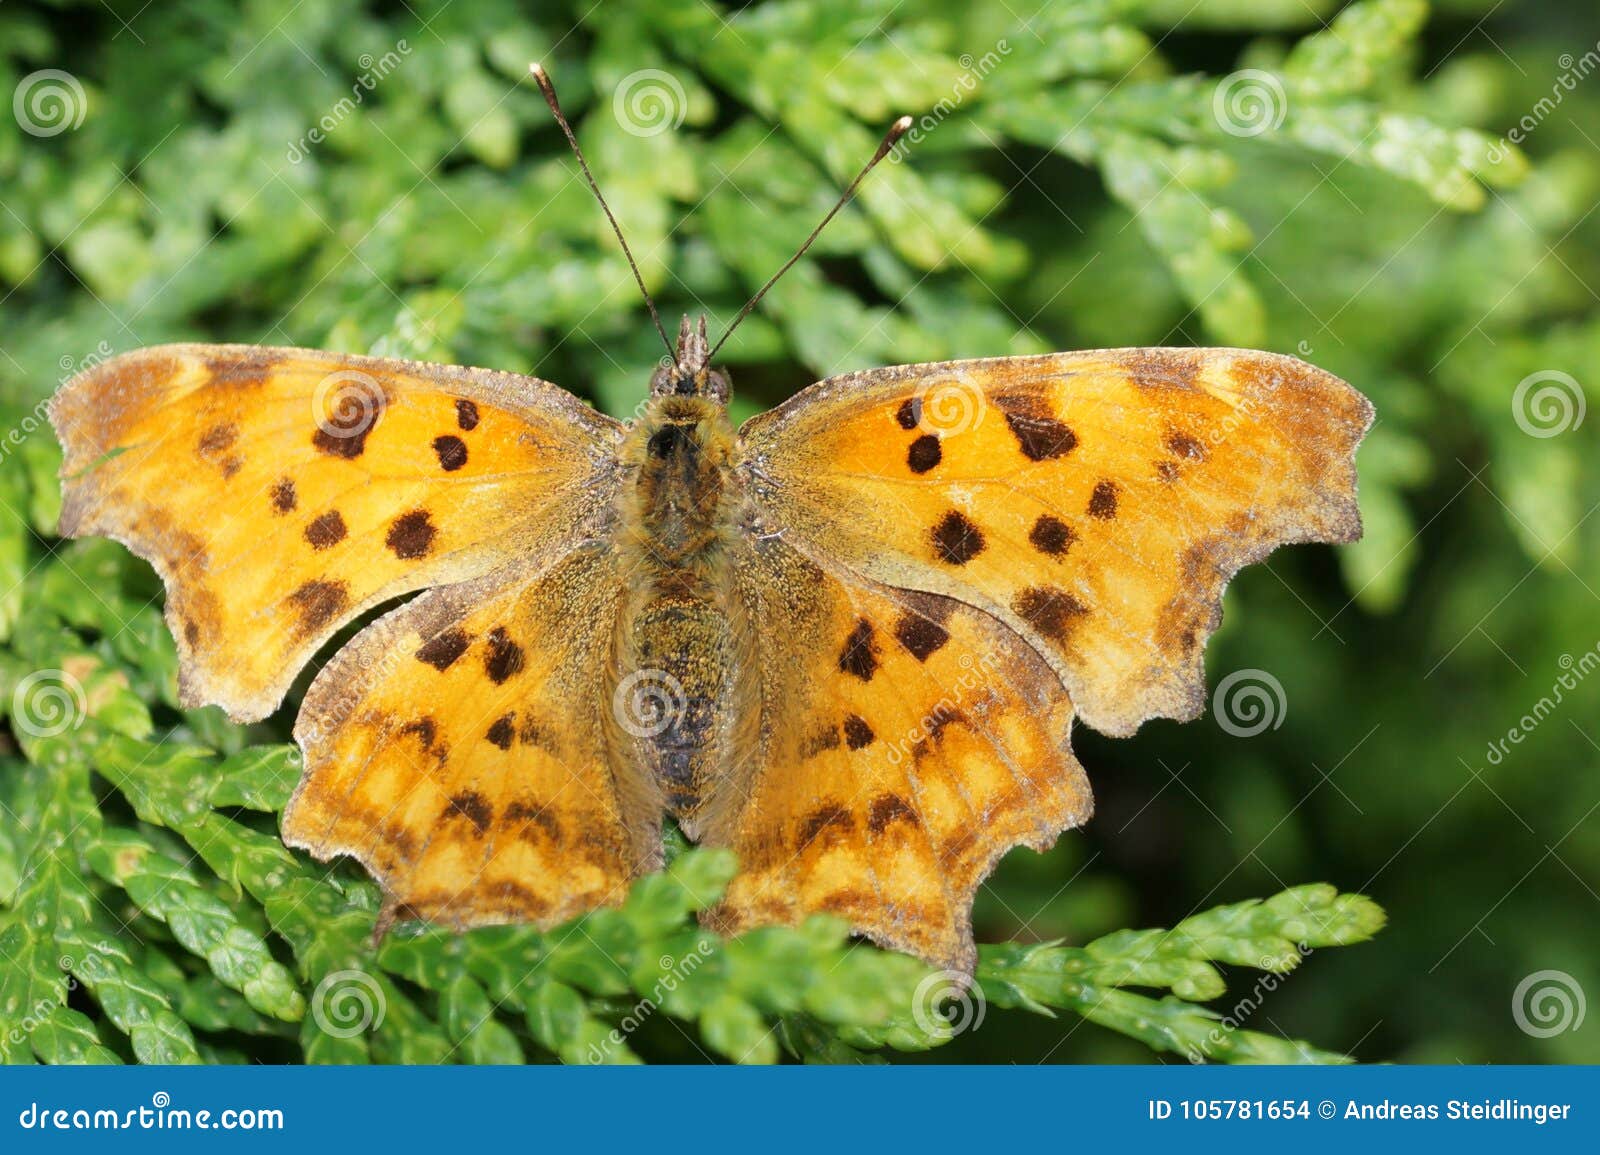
(142, 870)
(1319, 178)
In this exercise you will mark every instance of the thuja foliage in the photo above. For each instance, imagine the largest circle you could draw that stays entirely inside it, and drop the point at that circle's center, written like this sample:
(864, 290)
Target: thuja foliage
(150, 911)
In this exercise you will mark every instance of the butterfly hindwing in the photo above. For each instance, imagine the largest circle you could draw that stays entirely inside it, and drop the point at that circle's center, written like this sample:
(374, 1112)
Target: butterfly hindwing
(281, 492)
(1096, 503)
(458, 748)
(906, 741)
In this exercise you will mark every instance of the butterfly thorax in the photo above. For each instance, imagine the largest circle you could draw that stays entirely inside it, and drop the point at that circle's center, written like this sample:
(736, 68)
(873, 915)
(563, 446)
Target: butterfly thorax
(678, 649)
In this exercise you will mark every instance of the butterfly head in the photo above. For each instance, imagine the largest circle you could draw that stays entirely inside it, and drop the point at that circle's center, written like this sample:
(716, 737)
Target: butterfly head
(689, 374)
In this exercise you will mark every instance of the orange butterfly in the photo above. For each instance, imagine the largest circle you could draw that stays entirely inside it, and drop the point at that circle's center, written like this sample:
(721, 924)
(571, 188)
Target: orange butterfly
(847, 640)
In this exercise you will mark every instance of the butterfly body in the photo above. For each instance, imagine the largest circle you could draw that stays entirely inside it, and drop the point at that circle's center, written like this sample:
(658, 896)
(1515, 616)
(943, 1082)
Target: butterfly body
(849, 639)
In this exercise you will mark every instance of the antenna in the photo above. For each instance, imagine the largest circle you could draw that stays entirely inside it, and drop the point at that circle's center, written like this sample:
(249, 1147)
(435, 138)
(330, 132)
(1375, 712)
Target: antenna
(898, 129)
(542, 78)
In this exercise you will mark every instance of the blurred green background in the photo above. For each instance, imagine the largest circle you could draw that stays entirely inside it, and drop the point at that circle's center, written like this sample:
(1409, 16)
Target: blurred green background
(1403, 195)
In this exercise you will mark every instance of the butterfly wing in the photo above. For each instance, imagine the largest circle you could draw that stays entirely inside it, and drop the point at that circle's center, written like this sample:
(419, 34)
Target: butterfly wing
(458, 747)
(905, 742)
(281, 492)
(1095, 503)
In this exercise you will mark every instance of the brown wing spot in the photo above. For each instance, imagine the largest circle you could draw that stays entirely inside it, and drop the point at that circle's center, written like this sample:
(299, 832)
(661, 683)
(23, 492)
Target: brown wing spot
(191, 632)
(1049, 610)
(529, 816)
(319, 602)
(452, 452)
(218, 438)
(536, 734)
(348, 444)
(326, 529)
(1182, 445)
(860, 653)
(1039, 434)
(241, 369)
(284, 498)
(214, 444)
(1051, 535)
(503, 658)
(889, 808)
(944, 714)
(909, 415)
(503, 732)
(425, 729)
(466, 414)
(1167, 471)
(920, 635)
(828, 816)
(1103, 501)
(924, 453)
(411, 535)
(443, 649)
(956, 540)
(1165, 368)
(472, 806)
(857, 734)
(824, 739)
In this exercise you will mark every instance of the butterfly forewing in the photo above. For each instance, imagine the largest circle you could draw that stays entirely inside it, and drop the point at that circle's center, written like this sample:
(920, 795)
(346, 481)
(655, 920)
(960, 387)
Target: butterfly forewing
(281, 492)
(1096, 503)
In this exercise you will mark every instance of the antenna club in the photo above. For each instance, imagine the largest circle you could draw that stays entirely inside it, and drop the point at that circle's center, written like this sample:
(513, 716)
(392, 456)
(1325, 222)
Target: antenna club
(891, 138)
(542, 79)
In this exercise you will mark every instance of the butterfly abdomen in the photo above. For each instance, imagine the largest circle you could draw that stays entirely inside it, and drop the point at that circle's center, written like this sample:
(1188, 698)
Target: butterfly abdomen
(677, 647)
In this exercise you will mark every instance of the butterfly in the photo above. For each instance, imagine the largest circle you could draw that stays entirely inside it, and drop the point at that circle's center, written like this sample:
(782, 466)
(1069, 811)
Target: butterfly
(849, 639)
